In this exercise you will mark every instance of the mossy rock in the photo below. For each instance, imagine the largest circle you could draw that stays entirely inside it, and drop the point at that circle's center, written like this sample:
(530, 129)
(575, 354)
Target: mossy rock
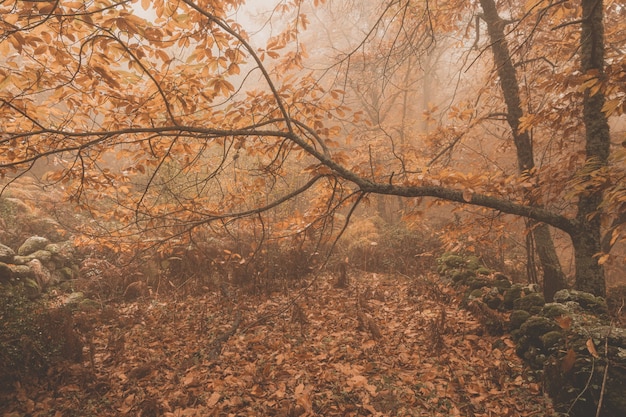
(517, 318)
(511, 295)
(483, 271)
(461, 276)
(477, 282)
(66, 273)
(493, 301)
(552, 339)
(537, 326)
(473, 263)
(476, 293)
(552, 310)
(452, 260)
(585, 300)
(88, 305)
(502, 283)
(533, 303)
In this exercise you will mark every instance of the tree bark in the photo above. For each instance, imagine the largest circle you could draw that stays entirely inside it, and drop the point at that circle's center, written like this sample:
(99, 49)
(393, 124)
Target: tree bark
(589, 274)
(553, 276)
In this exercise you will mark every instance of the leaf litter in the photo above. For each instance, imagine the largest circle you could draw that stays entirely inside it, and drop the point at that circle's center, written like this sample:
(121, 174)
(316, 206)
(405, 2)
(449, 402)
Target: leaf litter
(312, 352)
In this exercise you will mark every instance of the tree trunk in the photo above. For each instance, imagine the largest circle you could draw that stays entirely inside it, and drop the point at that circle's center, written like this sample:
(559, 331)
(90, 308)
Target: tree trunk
(553, 277)
(588, 242)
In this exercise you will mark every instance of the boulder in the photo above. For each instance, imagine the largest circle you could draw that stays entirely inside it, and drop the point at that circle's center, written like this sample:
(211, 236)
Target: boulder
(62, 253)
(41, 274)
(6, 254)
(32, 244)
(21, 271)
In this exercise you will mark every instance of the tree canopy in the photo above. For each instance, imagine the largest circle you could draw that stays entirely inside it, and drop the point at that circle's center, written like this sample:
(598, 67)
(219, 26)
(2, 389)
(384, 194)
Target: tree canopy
(163, 118)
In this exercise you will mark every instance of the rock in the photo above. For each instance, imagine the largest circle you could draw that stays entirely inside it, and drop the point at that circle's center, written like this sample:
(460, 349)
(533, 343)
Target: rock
(21, 260)
(6, 254)
(21, 271)
(511, 295)
(49, 227)
(65, 274)
(587, 301)
(74, 299)
(6, 273)
(41, 254)
(517, 318)
(89, 305)
(62, 253)
(32, 244)
(552, 310)
(552, 339)
(532, 303)
(537, 326)
(42, 275)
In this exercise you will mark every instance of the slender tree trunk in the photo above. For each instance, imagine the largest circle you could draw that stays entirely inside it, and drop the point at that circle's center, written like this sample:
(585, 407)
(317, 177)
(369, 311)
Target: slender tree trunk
(553, 277)
(588, 241)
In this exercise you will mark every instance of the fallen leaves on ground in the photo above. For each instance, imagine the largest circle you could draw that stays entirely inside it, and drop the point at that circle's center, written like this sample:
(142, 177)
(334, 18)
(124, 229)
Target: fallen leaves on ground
(299, 354)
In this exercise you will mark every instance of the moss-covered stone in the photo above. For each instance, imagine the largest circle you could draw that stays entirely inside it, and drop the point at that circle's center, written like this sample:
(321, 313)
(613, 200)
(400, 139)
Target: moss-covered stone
(511, 295)
(537, 326)
(473, 263)
(493, 301)
(552, 339)
(477, 293)
(587, 301)
(460, 276)
(517, 318)
(552, 310)
(483, 271)
(502, 283)
(532, 303)
(477, 282)
(452, 260)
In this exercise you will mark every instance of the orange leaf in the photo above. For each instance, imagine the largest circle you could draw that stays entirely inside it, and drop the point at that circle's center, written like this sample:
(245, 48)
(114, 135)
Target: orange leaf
(567, 363)
(592, 348)
(564, 322)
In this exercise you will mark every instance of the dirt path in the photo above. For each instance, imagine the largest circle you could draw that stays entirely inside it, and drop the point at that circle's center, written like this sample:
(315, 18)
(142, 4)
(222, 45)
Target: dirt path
(386, 346)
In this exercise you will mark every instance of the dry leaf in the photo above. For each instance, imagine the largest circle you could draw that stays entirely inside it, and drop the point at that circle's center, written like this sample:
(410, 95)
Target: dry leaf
(567, 363)
(592, 348)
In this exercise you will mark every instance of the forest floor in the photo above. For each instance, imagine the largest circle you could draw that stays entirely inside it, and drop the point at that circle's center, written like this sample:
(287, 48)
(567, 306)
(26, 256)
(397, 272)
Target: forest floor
(384, 346)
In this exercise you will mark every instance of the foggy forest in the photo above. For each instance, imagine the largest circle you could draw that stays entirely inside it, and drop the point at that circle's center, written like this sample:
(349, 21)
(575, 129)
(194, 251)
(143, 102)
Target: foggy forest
(312, 208)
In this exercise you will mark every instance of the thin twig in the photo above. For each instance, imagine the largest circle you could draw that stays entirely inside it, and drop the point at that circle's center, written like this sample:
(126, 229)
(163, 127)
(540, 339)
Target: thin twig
(606, 371)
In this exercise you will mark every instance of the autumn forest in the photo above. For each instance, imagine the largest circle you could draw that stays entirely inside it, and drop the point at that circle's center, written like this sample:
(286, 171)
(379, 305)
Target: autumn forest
(312, 207)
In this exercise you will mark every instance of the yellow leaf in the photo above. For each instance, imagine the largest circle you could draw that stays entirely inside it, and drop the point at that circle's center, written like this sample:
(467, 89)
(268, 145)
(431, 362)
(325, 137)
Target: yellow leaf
(145, 4)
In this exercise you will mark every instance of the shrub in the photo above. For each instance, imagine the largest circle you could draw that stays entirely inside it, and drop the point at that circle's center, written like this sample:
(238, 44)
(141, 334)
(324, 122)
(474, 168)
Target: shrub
(33, 337)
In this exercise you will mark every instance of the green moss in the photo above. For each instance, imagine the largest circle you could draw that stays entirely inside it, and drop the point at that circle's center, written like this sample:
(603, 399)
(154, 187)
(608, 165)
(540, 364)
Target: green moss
(537, 326)
(461, 276)
(532, 303)
(513, 294)
(552, 339)
(493, 301)
(552, 310)
(477, 293)
(452, 260)
(517, 318)
(473, 263)
(477, 282)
